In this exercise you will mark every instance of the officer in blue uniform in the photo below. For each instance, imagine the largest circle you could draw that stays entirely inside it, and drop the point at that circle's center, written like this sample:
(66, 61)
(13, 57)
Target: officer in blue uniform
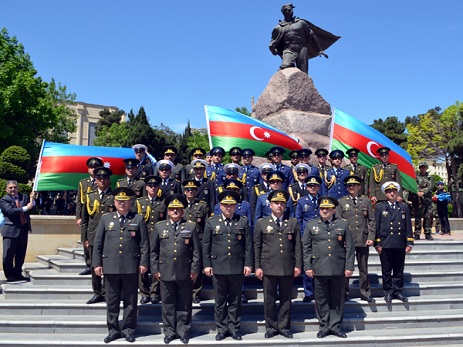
(249, 174)
(215, 170)
(334, 179)
(277, 153)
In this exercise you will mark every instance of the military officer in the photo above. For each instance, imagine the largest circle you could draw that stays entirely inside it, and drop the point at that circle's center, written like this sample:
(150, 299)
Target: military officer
(381, 173)
(277, 153)
(169, 185)
(249, 174)
(206, 190)
(97, 202)
(195, 153)
(121, 253)
(357, 210)
(243, 208)
(153, 210)
(231, 172)
(196, 211)
(146, 162)
(129, 181)
(423, 203)
(85, 186)
(176, 261)
(307, 209)
(357, 169)
(178, 171)
(215, 170)
(278, 259)
(328, 253)
(334, 177)
(228, 257)
(260, 188)
(298, 189)
(294, 158)
(322, 166)
(235, 155)
(393, 239)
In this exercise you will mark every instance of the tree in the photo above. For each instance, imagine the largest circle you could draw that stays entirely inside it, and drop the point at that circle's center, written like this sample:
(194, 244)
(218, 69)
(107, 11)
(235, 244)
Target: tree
(243, 110)
(198, 139)
(108, 118)
(31, 110)
(393, 129)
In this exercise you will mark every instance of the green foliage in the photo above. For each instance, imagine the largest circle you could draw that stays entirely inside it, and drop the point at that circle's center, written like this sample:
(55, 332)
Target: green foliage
(107, 120)
(198, 139)
(436, 179)
(9, 171)
(243, 110)
(393, 129)
(31, 109)
(111, 136)
(17, 156)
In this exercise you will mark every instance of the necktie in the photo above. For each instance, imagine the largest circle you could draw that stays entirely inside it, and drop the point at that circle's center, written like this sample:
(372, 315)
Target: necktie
(393, 206)
(121, 220)
(228, 224)
(327, 223)
(130, 182)
(314, 201)
(175, 225)
(355, 200)
(277, 222)
(304, 186)
(22, 216)
(101, 196)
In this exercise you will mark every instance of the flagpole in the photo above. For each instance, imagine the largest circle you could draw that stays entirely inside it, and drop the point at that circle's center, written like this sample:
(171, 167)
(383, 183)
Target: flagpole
(333, 112)
(208, 126)
(39, 165)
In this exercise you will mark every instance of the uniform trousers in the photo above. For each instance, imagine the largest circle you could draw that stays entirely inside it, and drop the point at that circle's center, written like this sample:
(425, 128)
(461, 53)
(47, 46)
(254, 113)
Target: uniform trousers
(121, 287)
(392, 268)
(329, 294)
(278, 287)
(97, 281)
(176, 307)
(227, 310)
(14, 253)
(361, 253)
(148, 285)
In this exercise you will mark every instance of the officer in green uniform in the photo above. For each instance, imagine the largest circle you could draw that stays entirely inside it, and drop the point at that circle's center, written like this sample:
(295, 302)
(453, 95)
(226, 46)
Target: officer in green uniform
(97, 202)
(130, 181)
(176, 261)
(196, 211)
(278, 259)
(121, 253)
(228, 257)
(422, 205)
(328, 253)
(381, 173)
(153, 210)
(357, 169)
(357, 210)
(85, 186)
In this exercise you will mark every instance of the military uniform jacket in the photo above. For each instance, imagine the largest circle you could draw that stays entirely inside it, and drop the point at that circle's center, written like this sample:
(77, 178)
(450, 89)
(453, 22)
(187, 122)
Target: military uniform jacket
(178, 173)
(360, 217)
(227, 251)
(257, 191)
(263, 208)
(278, 250)
(206, 193)
(216, 173)
(94, 209)
(362, 172)
(120, 248)
(297, 191)
(334, 182)
(328, 250)
(152, 212)
(393, 226)
(288, 174)
(380, 174)
(175, 254)
(171, 187)
(306, 210)
(249, 176)
(243, 208)
(197, 212)
(138, 186)
(426, 185)
(243, 192)
(144, 169)
(84, 187)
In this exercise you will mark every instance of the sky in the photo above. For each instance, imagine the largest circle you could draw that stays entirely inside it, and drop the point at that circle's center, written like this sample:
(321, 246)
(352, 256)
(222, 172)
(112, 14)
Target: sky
(395, 57)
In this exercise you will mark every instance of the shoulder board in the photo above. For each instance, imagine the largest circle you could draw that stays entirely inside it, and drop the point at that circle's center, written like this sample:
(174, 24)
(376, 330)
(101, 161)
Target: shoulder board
(202, 202)
(161, 221)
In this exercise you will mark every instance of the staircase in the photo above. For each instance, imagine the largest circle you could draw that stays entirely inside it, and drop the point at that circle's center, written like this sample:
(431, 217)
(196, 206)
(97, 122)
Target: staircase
(51, 309)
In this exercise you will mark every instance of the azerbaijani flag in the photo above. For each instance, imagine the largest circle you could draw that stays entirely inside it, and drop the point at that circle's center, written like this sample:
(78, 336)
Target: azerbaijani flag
(228, 129)
(62, 166)
(348, 132)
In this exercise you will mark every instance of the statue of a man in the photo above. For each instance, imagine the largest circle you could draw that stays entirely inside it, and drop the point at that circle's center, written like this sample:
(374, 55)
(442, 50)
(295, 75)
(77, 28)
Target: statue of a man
(297, 40)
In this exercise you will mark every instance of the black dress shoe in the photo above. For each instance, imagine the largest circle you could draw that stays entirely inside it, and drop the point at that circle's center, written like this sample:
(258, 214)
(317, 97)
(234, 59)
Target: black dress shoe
(388, 298)
(270, 334)
(129, 338)
(112, 337)
(322, 334)
(307, 298)
(416, 237)
(338, 333)
(155, 300)
(429, 237)
(400, 297)
(196, 300)
(96, 298)
(287, 334)
(220, 336)
(169, 339)
(347, 298)
(87, 271)
(145, 300)
(244, 299)
(367, 299)
(184, 339)
(236, 336)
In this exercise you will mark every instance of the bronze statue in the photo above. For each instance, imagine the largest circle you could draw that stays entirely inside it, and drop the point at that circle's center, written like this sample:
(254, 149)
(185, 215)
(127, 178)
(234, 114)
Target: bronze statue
(297, 40)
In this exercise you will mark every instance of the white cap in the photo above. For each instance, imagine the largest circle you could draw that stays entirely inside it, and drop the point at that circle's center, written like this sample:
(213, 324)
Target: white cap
(390, 185)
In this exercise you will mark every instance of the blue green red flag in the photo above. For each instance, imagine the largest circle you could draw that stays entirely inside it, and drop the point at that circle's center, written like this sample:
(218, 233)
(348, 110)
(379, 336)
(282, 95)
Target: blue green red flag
(228, 129)
(62, 166)
(348, 132)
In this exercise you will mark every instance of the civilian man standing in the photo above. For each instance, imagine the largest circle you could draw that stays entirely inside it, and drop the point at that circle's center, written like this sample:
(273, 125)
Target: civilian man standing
(15, 207)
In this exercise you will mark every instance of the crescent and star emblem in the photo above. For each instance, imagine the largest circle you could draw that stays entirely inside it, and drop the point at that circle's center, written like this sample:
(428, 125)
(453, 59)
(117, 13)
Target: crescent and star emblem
(369, 145)
(253, 133)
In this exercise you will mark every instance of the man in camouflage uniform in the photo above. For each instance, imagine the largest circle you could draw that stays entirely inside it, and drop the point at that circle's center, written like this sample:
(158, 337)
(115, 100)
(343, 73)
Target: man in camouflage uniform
(381, 173)
(85, 186)
(423, 203)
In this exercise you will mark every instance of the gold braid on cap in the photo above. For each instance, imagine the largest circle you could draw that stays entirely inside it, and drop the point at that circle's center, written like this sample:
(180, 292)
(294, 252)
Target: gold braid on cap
(378, 176)
(96, 206)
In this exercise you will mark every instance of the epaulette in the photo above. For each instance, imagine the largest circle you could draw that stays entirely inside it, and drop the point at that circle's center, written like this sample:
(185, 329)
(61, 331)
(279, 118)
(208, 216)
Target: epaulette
(161, 221)
(202, 202)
